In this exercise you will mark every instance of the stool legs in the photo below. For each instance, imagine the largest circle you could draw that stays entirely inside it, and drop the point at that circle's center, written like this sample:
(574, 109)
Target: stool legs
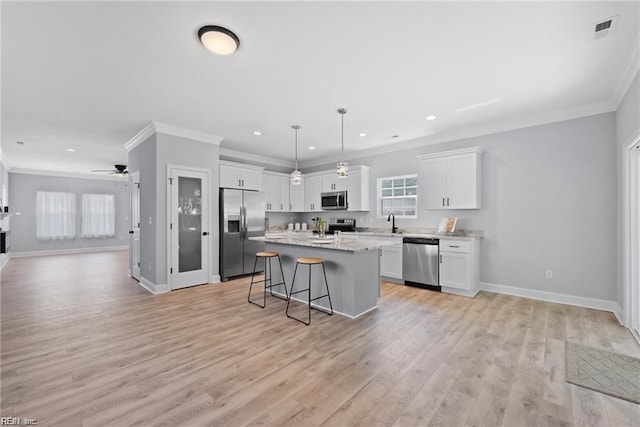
(309, 299)
(268, 277)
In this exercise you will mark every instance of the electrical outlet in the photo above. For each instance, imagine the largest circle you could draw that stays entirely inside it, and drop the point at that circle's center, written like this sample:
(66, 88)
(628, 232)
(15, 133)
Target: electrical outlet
(548, 274)
(150, 221)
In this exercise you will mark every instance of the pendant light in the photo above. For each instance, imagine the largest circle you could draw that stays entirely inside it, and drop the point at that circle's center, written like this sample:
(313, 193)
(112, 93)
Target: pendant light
(342, 168)
(296, 176)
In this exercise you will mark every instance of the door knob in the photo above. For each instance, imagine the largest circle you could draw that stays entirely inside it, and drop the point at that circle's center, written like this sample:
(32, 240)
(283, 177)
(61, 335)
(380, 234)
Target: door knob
(130, 231)
(204, 233)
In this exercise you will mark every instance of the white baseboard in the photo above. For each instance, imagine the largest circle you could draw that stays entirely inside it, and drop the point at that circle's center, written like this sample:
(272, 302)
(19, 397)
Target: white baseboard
(152, 287)
(215, 278)
(67, 251)
(598, 304)
(460, 292)
(618, 313)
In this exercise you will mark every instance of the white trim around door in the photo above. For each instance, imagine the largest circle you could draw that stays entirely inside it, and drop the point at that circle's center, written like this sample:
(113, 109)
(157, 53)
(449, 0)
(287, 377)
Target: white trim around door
(196, 274)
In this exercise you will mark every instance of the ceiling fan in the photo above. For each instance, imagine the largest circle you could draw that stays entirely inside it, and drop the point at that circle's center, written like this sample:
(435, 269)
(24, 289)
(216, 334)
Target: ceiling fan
(120, 170)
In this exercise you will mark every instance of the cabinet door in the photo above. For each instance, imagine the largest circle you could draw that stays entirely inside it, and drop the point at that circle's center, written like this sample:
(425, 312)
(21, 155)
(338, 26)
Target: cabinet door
(229, 177)
(251, 179)
(433, 183)
(284, 205)
(296, 196)
(312, 190)
(462, 182)
(271, 188)
(331, 182)
(391, 263)
(455, 270)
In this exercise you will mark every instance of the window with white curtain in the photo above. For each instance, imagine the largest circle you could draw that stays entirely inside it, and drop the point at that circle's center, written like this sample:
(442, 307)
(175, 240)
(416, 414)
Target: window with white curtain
(55, 215)
(98, 215)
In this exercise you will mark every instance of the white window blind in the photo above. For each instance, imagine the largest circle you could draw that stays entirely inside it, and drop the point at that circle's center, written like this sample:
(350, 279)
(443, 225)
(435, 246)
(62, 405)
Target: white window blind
(398, 194)
(98, 215)
(55, 215)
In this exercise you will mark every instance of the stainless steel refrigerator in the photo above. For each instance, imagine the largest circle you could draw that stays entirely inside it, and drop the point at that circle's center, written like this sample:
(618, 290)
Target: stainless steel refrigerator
(242, 215)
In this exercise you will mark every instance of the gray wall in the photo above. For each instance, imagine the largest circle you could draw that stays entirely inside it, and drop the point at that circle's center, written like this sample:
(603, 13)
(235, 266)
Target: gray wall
(549, 202)
(23, 188)
(143, 159)
(151, 158)
(627, 128)
(5, 223)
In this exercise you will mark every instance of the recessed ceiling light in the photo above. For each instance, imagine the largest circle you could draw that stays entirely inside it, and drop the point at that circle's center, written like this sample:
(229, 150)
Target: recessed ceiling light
(362, 134)
(312, 148)
(257, 132)
(218, 40)
(71, 150)
(431, 117)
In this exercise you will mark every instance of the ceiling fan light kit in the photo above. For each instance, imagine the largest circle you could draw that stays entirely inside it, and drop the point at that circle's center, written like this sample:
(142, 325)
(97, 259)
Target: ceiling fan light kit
(218, 40)
(119, 170)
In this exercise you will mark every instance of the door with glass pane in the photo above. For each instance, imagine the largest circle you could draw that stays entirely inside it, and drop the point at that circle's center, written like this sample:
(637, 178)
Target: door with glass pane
(134, 230)
(189, 228)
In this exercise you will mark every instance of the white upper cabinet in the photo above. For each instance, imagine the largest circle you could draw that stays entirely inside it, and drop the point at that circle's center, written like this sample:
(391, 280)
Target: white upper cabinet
(271, 189)
(283, 182)
(241, 176)
(450, 180)
(358, 188)
(331, 182)
(296, 196)
(276, 191)
(312, 190)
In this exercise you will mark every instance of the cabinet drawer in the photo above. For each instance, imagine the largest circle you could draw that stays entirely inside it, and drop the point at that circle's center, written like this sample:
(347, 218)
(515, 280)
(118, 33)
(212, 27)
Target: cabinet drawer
(463, 246)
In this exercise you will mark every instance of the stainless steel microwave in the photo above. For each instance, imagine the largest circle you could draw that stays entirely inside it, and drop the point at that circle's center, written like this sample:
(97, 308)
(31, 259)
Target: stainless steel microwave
(334, 200)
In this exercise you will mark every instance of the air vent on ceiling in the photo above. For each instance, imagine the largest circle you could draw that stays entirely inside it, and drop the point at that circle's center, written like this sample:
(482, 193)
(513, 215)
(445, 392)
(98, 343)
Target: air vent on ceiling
(602, 29)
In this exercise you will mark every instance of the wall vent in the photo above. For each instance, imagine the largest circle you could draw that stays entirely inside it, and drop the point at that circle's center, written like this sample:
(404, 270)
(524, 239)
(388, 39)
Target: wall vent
(602, 29)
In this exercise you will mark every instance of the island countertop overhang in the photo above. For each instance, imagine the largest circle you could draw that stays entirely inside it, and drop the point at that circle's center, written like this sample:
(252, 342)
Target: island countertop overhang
(340, 244)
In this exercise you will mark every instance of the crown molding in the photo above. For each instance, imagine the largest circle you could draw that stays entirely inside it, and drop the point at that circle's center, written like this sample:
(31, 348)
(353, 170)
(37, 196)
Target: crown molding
(630, 72)
(76, 175)
(234, 155)
(168, 129)
(505, 126)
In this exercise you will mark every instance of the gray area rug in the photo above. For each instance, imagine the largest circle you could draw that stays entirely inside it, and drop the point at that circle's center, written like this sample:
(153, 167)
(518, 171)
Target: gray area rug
(603, 371)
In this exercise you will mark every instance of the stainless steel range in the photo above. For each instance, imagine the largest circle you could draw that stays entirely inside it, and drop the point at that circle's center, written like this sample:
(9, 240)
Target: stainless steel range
(341, 224)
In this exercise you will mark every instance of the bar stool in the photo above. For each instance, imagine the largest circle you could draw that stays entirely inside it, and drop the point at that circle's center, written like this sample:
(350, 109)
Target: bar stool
(267, 255)
(310, 261)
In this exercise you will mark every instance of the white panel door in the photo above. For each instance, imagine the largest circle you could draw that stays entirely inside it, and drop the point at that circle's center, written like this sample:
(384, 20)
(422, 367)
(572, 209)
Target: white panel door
(134, 218)
(189, 227)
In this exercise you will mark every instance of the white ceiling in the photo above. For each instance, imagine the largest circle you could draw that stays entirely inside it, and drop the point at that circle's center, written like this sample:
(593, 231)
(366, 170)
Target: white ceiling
(89, 75)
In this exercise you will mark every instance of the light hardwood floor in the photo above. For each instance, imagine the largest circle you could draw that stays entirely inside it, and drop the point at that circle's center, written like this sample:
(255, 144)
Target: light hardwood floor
(82, 344)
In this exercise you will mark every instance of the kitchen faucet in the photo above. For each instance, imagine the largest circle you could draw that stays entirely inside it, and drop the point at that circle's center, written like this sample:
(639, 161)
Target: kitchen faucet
(393, 224)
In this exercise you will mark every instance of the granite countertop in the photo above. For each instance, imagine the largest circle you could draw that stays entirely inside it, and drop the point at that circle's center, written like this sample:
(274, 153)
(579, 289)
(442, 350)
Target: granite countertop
(420, 232)
(305, 239)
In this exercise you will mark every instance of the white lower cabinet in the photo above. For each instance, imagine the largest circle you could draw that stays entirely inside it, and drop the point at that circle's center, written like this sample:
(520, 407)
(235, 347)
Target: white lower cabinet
(459, 266)
(391, 262)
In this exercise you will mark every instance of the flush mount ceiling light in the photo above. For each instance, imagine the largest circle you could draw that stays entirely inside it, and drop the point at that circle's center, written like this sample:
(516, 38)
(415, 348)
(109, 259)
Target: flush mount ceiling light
(71, 150)
(342, 168)
(218, 40)
(296, 176)
(431, 117)
(257, 133)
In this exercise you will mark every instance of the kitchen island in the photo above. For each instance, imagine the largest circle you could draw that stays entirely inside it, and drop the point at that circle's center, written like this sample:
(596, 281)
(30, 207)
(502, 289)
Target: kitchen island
(352, 266)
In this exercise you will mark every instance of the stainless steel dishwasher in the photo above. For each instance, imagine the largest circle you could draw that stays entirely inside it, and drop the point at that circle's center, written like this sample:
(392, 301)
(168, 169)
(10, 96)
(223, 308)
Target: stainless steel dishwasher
(420, 262)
